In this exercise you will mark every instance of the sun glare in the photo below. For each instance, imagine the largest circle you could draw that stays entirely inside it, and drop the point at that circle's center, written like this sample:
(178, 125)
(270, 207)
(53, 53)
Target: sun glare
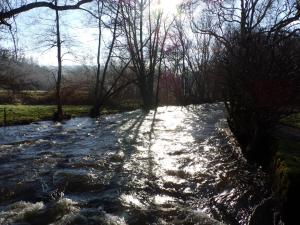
(168, 6)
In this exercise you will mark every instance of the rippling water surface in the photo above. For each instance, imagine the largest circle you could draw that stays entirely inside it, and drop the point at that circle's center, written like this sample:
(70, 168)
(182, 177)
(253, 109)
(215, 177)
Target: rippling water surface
(174, 166)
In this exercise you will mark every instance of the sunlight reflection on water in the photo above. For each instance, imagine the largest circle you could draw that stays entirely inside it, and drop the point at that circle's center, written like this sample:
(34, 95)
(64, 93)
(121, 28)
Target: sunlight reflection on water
(173, 166)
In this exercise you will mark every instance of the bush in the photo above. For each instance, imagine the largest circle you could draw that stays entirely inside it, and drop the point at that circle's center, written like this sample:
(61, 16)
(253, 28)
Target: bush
(261, 82)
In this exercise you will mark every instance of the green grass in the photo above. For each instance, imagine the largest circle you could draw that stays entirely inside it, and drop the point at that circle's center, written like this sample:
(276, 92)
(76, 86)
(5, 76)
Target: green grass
(286, 177)
(292, 120)
(289, 151)
(23, 114)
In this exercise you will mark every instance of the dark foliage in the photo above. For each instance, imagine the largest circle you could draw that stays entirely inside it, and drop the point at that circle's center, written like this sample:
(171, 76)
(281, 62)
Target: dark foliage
(262, 86)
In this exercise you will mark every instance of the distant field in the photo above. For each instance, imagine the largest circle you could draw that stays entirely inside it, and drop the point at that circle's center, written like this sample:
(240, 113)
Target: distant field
(23, 114)
(38, 97)
(30, 106)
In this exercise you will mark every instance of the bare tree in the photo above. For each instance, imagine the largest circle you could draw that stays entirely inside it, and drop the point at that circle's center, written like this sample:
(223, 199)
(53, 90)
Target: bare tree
(250, 37)
(189, 55)
(108, 18)
(58, 115)
(54, 37)
(247, 16)
(95, 108)
(9, 9)
(143, 30)
(100, 92)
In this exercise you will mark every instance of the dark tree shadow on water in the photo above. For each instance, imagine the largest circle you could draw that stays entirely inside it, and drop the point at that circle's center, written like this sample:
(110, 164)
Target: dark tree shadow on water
(245, 182)
(122, 180)
(113, 181)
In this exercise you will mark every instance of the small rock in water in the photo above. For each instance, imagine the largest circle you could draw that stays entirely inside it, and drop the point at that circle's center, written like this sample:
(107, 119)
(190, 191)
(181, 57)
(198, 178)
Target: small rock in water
(119, 156)
(76, 180)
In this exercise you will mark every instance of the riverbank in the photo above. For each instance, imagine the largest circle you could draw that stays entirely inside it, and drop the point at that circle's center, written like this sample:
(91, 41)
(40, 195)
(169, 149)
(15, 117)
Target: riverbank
(25, 114)
(286, 171)
(292, 120)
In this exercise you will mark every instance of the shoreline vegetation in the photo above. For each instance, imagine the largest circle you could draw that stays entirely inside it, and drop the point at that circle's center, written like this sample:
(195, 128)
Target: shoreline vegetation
(286, 175)
(19, 114)
(22, 114)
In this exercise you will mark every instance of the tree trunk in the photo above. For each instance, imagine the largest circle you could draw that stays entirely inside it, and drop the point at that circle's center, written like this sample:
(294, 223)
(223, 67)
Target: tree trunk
(95, 111)
(147, 93)
(58, 115)
(100, 92)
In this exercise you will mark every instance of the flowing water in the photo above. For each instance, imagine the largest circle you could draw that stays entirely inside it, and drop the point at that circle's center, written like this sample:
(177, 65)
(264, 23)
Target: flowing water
(178, 165)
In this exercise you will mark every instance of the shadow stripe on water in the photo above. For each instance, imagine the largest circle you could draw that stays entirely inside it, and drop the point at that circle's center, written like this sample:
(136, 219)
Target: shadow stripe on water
(176, 165)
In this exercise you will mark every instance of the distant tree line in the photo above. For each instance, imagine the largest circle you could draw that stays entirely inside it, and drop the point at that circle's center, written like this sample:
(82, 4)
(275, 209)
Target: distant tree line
(21, 74)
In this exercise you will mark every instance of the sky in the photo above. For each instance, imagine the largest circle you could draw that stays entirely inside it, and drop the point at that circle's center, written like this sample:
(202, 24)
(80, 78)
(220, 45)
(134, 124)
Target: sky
(35, 32)
(35, 26)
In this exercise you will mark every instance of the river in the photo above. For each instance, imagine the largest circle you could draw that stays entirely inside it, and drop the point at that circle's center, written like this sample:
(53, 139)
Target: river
(176, 165)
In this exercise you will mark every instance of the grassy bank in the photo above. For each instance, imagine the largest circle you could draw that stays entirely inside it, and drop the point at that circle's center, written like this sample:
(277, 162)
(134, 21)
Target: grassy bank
(286, 167)
(23, 114)
(292, 120)
(286, 177)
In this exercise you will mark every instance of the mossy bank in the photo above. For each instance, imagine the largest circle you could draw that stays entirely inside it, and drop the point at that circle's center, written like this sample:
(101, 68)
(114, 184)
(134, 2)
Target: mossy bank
(286, 178)
(25, 114)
